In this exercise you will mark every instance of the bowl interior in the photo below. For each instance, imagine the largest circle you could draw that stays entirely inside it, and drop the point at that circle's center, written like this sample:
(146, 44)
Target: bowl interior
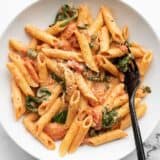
(42, 14)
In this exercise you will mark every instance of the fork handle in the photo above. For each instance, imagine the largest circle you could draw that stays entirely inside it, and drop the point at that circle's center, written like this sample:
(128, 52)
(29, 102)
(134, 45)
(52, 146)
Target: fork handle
(136, 129)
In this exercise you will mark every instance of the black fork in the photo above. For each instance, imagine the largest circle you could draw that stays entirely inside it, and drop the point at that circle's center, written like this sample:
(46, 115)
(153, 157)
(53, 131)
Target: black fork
(132, 81)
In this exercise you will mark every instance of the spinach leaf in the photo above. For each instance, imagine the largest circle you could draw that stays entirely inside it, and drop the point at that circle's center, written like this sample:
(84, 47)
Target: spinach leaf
(66, 12)
(43, 93)
(59, 80)
(123, 62)
(60, 117)
(31, 53)
(147, 89)
(85, 26)
(32, 103)
(109, 118)
(94, 76)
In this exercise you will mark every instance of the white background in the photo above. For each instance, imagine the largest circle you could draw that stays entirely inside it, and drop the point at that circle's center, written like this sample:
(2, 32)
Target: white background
(10, 8)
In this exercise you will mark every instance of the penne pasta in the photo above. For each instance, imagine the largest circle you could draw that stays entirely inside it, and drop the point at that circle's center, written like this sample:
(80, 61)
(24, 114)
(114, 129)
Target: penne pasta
(111, 25)
(18, 61)
(145, 63)
(18, 46)
(125, 33)
(96, 25)
(84, 16)
(46, 105)
(45, 118)
(104, 40)
(137, 52)
(117, 90)
(124, 110)
(20, 80)
(82, 132)
(120, 100)
(18, 100)
(73, 107)
(42, 69)
(43, 36)
(107, 65)
(86, 51)
(33, 43)
(70, 82)
(106, 137)
(56, 28)
(114, 53)
(66, 142)
(84, 88)
(61, 54)
(126, 121)
(43, 137)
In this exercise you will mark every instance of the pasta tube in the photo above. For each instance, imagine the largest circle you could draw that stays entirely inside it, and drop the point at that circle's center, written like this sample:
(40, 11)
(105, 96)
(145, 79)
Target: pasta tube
(18, 61)
(108, 66)
(86, 51)
(120, 100)
(20, 80)
(140, 111)
(106, 137)
(18, 100)
(33, 43)
(46, 105)
(73, 107)
(28, 122)
(84, 88)
(111, 25)
(124, 110)
(84, 15)
(104, 40)
(43, 36)
(61, 54)
(42, 69)
(145, 63)
(82, 132)
(96, 25)
(18, 46)
(44, 119)
(66, 142)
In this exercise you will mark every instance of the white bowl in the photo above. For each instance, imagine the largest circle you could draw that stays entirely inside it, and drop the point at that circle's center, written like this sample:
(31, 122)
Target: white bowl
(42, 14)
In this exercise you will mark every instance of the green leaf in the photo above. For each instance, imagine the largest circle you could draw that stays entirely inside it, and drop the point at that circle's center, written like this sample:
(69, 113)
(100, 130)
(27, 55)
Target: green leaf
(32, 53)
(59, 80)
(124, 62)
(43, 93)
(94, 76)
(109, 118)
(84, 26)
(66, 12)
(147, 89)
(60, 117)
(32, 103)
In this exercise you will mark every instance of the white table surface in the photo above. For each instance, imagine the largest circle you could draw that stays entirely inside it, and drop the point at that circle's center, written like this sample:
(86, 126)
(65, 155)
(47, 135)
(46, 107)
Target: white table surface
(10, 8)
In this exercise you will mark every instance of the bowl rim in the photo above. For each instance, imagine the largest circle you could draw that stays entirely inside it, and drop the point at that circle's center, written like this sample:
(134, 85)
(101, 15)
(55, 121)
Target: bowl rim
(28, 6)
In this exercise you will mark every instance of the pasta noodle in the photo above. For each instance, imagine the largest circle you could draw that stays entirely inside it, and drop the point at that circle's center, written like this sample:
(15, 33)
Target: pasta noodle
(106, 137)
(18, 101)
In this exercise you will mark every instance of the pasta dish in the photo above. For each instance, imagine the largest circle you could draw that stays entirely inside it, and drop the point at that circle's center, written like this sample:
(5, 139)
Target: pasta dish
(68, 82)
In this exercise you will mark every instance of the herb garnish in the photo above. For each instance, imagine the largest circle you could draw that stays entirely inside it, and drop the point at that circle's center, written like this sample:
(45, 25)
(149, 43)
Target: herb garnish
(43, 93)
(147, 89)
(32, 103)
(60, 117)
(31, 53)
(59, 80)
(123, 62)
(84, 26)
(65, 15)
(94, 76)
(109, 118)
